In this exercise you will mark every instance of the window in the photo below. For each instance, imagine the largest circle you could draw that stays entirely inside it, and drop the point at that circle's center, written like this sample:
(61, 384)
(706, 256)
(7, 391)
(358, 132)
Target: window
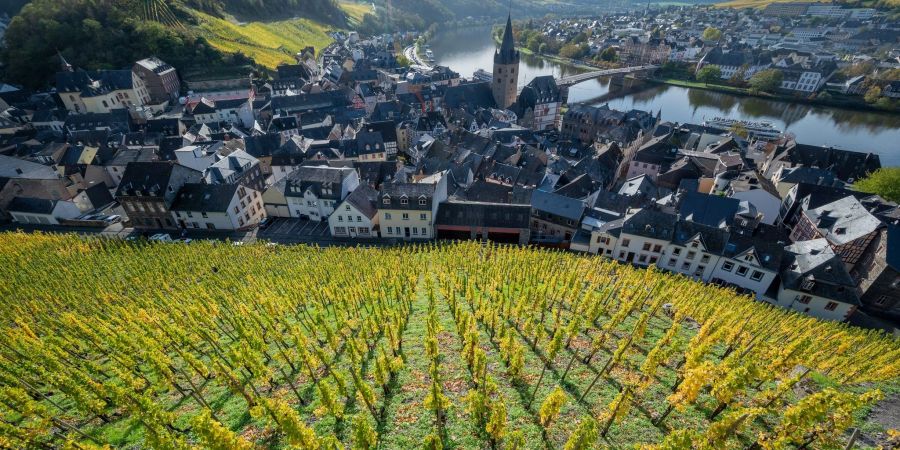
(642, 258)
(699, 271)
(742, 271)
(727, 266)
(204, 215)
(347, 208)
(646, 246)
(691, 255)
(672, 262)
(807, 285)
(657, 248)
(363, 230)
(423, 216)
(236, 210)
(621, 255)
(704, 258)
(404, 201)
(405, 216)
(340, 230)
(422, 201)
(756, 276)
(686, 266)
(804, 299)
(653, 259)
(340, 218)
(386, 201)
(677, 251)
(831, 306)
(359, 218)
(387, 216)
(415, 231)
(626, 242)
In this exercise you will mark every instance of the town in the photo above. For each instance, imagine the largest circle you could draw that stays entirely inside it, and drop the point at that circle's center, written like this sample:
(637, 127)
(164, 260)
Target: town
(353, 145)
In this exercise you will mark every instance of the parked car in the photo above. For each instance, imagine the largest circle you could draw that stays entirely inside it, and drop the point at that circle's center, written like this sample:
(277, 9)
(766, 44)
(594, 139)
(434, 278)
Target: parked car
(263, 224)
(115, 218)
(161, 237)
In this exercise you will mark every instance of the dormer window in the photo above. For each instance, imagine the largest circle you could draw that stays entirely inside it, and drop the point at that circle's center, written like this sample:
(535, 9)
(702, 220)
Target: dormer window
(422, 200)
(404, 201)
(386, 200)
(808, 284)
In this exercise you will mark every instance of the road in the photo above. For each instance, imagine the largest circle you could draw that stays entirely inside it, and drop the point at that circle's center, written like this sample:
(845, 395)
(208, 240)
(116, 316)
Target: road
(413, 56)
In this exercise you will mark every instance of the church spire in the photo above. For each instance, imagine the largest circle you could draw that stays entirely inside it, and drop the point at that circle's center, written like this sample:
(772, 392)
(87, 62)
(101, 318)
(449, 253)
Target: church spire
(64, 65)
(507, 53)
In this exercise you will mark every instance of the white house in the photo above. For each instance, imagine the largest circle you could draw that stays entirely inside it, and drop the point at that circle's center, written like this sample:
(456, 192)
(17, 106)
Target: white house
(357, 215)
(199, 157)
(29, 210)
(815, 282)
(217, 206)
(314, 192)
(407, 210)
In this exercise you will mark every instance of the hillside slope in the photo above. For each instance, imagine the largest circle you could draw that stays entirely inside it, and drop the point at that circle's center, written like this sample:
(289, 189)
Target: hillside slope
(458, 345)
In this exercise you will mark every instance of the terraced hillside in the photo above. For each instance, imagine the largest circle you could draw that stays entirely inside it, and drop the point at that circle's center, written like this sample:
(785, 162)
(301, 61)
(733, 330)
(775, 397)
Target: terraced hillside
(271, 43)
(209, 345)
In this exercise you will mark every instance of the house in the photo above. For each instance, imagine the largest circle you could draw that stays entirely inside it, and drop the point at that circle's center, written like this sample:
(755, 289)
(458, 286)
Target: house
(238, 167)
(730, 62)
(217, 206)
(21, 178)
(878, 274)
(694, 249)
(357, 215)
(30, 210)
(102, 91)
(644, 235)
(554, 218)
(539, 104)
(750, 261)
(161, 79)
(314, 192)
(847, 165)
(408, 210)
(845, 224)
(815, 282)
(498, 222)
(148, 189)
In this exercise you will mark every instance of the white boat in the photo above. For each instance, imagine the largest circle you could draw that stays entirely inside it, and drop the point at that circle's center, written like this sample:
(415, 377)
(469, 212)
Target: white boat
(760, 130)
(482, 75)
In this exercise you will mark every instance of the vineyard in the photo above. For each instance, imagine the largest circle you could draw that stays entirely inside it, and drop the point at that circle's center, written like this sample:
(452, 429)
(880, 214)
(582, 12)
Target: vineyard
(272, 43)
(209, 345)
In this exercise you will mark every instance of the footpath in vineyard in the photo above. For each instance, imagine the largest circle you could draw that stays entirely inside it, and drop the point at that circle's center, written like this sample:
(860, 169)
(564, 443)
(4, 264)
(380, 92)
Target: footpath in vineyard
(436, 346)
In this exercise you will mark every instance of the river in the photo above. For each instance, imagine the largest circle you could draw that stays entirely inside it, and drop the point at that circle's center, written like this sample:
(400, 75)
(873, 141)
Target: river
(468, 49)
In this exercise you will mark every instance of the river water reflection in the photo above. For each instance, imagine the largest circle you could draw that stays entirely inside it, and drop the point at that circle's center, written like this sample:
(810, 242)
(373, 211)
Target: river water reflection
(468, 49)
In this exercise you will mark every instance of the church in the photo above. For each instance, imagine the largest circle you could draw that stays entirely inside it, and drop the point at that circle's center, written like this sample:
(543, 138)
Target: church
(506, 69)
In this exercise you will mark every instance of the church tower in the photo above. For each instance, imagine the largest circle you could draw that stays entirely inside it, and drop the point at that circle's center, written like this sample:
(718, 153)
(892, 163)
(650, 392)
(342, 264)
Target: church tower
(506, 69)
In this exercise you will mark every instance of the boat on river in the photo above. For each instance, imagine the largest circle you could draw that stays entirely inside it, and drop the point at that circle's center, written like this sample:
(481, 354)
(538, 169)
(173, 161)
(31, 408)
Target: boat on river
(759, 129)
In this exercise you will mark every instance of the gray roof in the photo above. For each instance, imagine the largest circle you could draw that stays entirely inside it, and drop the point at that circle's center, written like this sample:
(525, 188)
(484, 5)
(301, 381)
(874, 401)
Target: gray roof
(393, 193)
(557, 205)
(31, 205)
(477, 214)
(204, 197)
(364, 199)
(711, 210)
(815, 261)
(843, 220)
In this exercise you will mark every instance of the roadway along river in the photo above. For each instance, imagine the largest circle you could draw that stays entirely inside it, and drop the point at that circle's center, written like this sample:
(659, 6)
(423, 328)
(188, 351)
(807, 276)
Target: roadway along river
(468, 49)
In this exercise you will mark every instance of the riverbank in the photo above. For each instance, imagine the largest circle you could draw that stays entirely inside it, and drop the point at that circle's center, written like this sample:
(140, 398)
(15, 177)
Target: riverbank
(835, 100)
(552, 58)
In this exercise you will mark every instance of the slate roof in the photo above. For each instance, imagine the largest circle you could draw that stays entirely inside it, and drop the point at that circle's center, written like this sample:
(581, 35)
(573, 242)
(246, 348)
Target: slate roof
(146, 177)
(469, 96)
(315, 178)
(557, 205)
(204, 197)
(843, 221)
(394, 192)
(714, 239)
(364, 199)
(711, 210)
(483, 215)
(650, 223)
(815, 261)
(31, 205)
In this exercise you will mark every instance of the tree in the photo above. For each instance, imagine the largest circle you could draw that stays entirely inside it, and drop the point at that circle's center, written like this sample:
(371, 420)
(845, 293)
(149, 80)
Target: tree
(709, 74)
(402, 60)
(884, 182)
(767, 80)
(609, 54)
(573, 51)
(534, 42)
(712, 34)
(873, 94)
